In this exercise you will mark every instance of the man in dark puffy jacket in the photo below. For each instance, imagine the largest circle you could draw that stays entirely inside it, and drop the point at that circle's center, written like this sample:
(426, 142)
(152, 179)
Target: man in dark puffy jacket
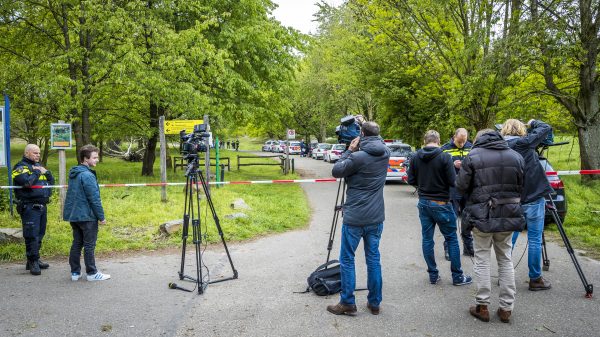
(364, 167)
(432, 172)
(32, 204)
(83, 209)
(458, 147)
(535, 189)
(492, 177)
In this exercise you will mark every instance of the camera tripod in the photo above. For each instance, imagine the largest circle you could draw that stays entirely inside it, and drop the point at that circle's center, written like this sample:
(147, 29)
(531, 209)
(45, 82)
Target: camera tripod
(589, 288)
(337, 210)
(191, 212)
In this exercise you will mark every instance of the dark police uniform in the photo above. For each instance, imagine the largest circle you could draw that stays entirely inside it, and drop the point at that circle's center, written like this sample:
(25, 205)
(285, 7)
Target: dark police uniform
(32, 204)
(458, 200)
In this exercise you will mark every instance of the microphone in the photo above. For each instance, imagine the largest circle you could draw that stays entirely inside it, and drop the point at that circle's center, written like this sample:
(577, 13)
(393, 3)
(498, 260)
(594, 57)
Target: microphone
(175, 286)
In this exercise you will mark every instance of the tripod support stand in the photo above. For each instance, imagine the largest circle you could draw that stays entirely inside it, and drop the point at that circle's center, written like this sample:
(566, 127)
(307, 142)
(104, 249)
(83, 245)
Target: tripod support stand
(191, 214)
(336, 214)
(589, 288)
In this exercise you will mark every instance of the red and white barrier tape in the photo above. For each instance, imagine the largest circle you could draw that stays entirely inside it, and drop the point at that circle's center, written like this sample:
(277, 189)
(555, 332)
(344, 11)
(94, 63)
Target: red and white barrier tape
(247, 182)
(570, 173)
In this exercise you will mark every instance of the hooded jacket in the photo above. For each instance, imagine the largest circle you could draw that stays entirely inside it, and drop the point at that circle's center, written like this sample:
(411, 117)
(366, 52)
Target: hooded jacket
(431, 170)
(492, 177)
(365, 172)
(536, 182)
(24, 175)
(82, 202)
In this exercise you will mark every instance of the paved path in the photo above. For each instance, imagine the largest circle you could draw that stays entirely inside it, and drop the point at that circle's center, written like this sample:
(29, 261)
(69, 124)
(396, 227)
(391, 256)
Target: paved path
(262, 303)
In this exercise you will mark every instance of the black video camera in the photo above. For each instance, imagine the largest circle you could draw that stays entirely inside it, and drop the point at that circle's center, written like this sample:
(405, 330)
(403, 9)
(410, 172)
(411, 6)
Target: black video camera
(349, 128)
(191, 144)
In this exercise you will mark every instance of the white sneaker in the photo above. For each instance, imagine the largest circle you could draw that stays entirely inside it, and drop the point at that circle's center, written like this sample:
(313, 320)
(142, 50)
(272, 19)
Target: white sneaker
(98, 277)
(75, 276)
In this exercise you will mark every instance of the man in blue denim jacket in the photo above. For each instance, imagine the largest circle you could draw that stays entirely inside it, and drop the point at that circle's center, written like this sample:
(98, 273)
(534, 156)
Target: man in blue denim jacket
(83, 209)
(364, 167)
(432, 172)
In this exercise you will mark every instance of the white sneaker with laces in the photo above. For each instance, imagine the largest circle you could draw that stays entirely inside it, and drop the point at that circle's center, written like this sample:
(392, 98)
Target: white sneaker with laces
(75, 276)
(98, 277)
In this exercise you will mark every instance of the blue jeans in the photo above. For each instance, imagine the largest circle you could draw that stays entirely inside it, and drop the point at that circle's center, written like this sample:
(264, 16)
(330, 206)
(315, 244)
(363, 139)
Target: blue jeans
(351, 236)
(430, 214)
(534, 216)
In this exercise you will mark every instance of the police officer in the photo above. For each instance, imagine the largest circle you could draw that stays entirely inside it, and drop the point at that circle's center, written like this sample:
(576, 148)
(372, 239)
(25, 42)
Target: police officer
(458, 147)
(32, 204)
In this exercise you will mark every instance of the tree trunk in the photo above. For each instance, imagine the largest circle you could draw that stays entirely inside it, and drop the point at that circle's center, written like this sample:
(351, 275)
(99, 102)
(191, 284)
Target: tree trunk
(150, 152)
(46, 151)
(589, 143)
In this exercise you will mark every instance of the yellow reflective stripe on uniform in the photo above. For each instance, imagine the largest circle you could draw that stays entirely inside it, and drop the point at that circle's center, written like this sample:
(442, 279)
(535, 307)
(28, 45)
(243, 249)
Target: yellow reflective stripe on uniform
(457, 152)
(42, 177)
(20, 170)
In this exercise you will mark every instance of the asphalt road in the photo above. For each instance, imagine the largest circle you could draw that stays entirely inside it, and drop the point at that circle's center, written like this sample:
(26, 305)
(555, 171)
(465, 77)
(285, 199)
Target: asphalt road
(262, 302)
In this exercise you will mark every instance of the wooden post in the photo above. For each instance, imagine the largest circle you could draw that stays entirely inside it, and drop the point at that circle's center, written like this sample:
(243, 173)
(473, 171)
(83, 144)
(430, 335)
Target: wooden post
(163, 158)
(62, 177)
(207, 155)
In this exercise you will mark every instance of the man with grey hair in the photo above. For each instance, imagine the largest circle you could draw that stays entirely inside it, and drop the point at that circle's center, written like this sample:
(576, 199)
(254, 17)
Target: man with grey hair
(364, 167)
(31, 204)
(458, 147)
(432, 172)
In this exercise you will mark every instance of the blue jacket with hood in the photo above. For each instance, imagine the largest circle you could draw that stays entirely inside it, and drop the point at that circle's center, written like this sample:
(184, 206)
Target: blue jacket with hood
(82, 202)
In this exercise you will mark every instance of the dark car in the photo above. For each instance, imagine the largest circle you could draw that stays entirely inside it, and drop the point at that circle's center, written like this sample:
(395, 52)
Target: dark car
(558, 196)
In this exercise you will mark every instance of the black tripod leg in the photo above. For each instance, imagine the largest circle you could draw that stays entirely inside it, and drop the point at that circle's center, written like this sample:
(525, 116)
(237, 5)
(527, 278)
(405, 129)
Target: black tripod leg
(186, 224)
(336, 212)
(198, 242)
(219, 229)
(545, 259)
(589, 288)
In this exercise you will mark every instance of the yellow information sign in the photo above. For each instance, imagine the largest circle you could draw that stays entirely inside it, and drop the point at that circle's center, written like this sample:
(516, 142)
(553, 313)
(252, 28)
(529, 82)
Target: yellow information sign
(173, 127)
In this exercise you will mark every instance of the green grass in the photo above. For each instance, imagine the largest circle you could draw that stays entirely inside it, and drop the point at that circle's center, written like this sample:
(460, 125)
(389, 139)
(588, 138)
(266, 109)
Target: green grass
(135, 213)
(582, 223)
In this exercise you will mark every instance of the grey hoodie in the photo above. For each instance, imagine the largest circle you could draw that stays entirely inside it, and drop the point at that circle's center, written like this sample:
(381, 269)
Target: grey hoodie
(365, 172)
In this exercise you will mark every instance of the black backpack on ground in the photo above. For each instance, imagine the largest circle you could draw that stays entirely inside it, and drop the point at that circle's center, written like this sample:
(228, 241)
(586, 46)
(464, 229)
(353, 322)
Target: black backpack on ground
(326, 279)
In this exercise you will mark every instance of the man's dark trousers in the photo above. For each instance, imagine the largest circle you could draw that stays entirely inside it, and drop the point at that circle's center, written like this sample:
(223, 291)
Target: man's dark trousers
(85, 234)
(33, 218)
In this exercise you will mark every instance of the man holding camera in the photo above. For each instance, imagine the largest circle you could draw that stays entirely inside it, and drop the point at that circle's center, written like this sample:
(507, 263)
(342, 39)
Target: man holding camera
(364, 167)
(432, 172)
(535, 189)
(32, 204)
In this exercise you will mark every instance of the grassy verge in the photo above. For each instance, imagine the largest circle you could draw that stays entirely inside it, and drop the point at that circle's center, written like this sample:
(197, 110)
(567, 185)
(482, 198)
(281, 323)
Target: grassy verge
(582, 223)
(134, 214)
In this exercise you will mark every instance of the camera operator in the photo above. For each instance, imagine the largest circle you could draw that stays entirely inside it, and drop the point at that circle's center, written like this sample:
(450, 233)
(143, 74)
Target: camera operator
(364, 167)
(536, 188)
(432, 172)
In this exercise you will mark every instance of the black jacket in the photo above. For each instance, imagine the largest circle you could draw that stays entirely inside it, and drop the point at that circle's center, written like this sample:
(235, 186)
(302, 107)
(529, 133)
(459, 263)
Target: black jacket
(365, 172)
(24, 175)
(492, 177)
(536, 182)
(432, 171)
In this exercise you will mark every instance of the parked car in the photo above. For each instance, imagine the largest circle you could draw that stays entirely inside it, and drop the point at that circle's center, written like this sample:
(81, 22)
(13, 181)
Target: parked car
(333, 154)
(559, 197)
(320, 149)
(278, 147)
(311, 147)
(267, 145)
(399, 152)
(294, 147)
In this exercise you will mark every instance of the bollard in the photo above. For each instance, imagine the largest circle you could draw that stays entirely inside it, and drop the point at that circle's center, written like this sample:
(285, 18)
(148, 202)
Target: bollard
(292, 165)
(222, 173)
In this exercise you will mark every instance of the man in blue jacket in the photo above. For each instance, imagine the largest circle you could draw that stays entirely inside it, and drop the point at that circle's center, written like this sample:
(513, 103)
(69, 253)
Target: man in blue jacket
(535, 189)
(32, 204)
(364, 167)
(83, 209)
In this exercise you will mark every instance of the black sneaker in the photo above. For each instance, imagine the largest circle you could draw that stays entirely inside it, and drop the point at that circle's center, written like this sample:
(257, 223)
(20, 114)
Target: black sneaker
(33, 267)
(435, 280)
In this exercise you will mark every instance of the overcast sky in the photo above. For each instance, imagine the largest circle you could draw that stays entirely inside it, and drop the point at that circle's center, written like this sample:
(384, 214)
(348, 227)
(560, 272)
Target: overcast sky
(299, 13)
